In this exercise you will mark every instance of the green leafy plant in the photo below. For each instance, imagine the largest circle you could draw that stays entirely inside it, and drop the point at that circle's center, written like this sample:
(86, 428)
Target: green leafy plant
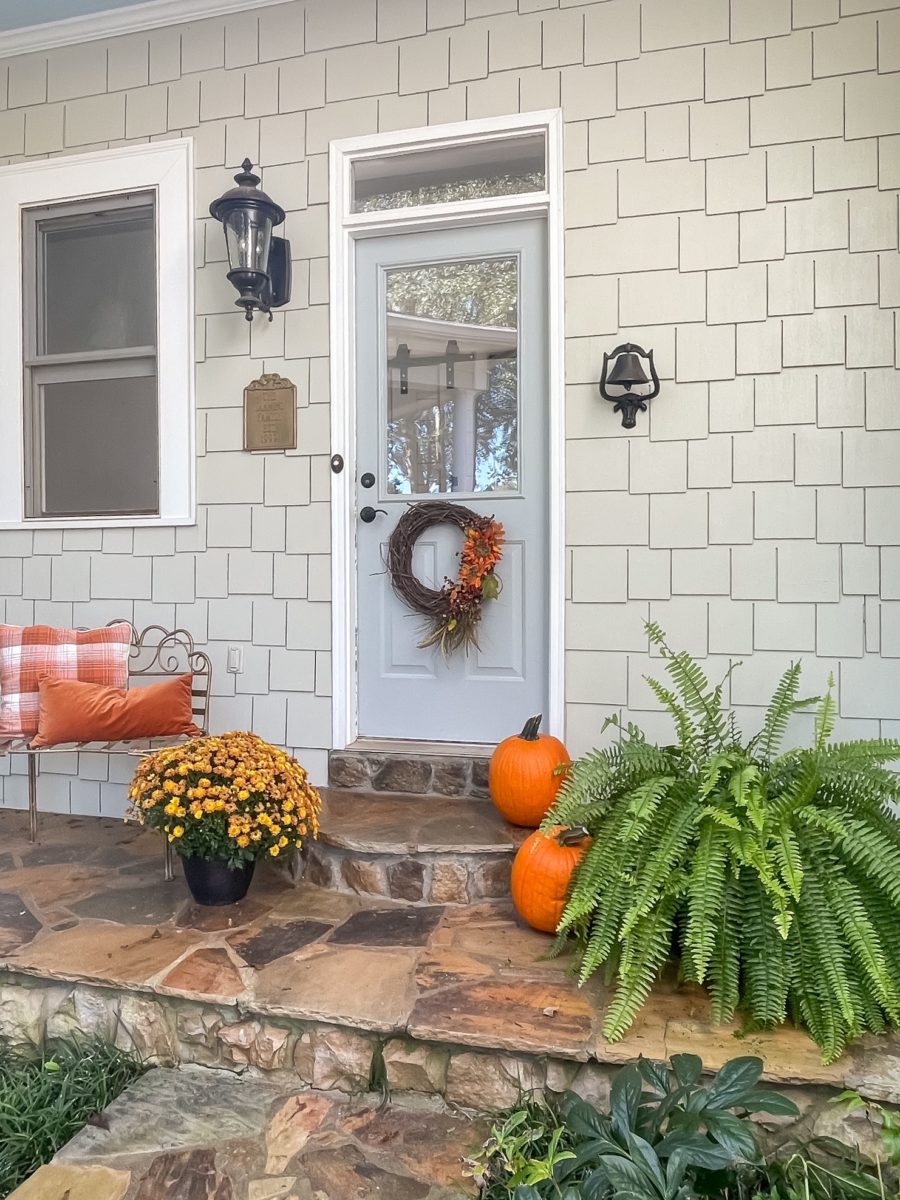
(830, 1172)
(46, 1097)
(669, 1135)
(773, 876)
(888, 1121)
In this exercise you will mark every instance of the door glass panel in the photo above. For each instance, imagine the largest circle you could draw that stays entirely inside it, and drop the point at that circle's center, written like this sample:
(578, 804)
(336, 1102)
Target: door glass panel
(97, 286)
(474, 171)
(452, 377)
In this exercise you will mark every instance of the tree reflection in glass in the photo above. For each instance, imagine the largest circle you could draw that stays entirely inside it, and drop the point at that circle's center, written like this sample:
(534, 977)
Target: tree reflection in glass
(452, 377)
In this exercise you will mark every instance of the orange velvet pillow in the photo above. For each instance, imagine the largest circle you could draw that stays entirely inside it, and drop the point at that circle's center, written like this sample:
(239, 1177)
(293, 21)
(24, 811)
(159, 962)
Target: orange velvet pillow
(72, 711)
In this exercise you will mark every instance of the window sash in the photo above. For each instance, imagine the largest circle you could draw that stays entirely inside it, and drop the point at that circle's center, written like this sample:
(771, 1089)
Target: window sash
(41, 369)
(85, 370)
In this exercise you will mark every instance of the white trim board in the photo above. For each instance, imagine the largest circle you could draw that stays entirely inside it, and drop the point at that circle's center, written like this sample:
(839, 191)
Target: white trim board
(114, 22)
(344, 228)
(166, 169)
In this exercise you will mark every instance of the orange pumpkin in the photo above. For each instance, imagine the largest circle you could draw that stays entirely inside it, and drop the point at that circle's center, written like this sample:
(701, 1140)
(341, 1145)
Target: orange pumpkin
(522, 775)
(541, 874)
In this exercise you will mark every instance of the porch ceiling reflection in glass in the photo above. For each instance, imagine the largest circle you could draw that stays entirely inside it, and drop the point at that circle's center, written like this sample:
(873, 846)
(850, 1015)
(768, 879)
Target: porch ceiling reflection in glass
(452, 377)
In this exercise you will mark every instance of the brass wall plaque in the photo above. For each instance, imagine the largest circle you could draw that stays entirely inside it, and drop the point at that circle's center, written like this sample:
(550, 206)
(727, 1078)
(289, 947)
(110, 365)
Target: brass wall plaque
(270, 414)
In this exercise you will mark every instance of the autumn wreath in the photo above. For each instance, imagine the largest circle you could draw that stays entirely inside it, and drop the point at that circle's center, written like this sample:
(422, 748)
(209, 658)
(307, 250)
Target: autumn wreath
(452, 611)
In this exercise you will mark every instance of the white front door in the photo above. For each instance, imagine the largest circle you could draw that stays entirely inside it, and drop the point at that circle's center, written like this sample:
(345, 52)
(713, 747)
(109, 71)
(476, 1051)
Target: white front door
(452, 403)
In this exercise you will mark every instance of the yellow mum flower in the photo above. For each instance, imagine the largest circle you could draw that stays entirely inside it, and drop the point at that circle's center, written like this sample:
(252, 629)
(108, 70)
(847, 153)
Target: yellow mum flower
(178, 831)
(274, 851)
(243, 840)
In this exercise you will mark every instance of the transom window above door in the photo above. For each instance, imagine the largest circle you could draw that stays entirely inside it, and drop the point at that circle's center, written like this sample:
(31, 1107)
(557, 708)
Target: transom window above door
(466, 171)
(452, 376)
(471, 170)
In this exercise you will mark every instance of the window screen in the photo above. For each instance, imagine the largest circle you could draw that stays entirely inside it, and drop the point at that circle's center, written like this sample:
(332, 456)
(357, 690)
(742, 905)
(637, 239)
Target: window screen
(91, 412)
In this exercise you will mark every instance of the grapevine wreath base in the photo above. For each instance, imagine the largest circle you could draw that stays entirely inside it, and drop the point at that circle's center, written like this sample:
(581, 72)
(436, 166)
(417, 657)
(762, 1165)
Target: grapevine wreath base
(452, 611)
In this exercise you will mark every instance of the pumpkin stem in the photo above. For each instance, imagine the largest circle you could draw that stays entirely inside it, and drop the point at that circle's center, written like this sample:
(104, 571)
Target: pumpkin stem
(571, 837)
(530, 728)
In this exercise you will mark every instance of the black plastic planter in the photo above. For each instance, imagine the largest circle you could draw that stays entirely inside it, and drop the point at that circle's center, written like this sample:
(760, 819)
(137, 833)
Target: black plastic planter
(213, 883)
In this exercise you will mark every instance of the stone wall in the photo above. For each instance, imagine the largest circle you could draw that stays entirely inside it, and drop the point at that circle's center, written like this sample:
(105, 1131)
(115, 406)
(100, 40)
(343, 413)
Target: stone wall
(168, 1030)
(732, 169)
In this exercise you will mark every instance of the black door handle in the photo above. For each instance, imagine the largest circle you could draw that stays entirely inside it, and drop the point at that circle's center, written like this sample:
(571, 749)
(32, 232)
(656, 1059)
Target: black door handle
(368, 514)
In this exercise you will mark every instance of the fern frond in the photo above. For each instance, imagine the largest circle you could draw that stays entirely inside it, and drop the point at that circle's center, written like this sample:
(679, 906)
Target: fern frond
(644, 952)
(706, 893)
(605, 927)
(673, 839)
(642, 803)
(830, 946)
(763, 954)
(826, 714)
(684, 726)
(865, 943)
(789, 858)
(876, 853)
(783, 705)
(724, 970)
(595, 872)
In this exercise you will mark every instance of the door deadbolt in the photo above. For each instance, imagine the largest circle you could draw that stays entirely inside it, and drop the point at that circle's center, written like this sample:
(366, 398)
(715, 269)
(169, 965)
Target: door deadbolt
(367, 480)
(368, 514)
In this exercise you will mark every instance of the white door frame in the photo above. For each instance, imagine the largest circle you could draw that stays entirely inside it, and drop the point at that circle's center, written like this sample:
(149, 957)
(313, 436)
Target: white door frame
(344, 228)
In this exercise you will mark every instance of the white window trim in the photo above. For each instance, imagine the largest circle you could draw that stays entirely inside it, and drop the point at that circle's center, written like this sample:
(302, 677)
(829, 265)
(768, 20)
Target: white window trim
(345, 227)
(166, 168)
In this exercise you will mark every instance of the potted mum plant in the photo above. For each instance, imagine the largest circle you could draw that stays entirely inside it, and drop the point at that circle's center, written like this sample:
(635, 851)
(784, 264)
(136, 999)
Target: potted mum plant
(224, 803)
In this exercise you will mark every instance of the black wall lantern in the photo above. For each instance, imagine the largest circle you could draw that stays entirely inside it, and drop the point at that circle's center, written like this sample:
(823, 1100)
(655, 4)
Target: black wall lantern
(260, 263)
(627, 373)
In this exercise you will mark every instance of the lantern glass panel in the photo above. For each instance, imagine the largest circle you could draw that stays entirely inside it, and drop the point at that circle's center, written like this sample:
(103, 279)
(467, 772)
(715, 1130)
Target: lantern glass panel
(248, 234)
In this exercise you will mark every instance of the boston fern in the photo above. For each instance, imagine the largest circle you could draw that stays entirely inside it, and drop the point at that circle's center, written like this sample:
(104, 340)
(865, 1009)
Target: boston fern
(774, 875)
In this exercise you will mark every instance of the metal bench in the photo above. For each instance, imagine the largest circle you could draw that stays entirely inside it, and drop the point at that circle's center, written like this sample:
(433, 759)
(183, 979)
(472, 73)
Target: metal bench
(155, 653)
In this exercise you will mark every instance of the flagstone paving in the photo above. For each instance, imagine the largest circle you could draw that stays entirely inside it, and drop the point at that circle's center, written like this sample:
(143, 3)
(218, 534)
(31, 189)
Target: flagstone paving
(89, 906)
(198, 1134)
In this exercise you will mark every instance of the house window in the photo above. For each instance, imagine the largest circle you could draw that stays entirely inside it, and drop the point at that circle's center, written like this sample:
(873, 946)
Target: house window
(96, 379)
(90, 385)
(471, 170)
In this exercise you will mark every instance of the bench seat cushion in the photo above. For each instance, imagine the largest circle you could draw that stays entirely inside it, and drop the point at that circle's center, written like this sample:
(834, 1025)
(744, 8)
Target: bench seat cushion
(71, 711)
(29, 653)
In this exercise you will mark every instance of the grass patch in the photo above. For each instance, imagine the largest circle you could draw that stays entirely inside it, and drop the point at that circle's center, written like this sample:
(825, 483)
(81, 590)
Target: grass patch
(47, 1095)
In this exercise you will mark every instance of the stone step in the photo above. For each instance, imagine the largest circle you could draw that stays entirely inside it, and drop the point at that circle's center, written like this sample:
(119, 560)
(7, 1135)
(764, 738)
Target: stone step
(412, 849)
(190, 1131)
(417, 774)
(460, 1002)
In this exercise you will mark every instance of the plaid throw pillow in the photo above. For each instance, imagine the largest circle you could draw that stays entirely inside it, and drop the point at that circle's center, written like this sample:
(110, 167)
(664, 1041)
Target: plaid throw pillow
(29, 653)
